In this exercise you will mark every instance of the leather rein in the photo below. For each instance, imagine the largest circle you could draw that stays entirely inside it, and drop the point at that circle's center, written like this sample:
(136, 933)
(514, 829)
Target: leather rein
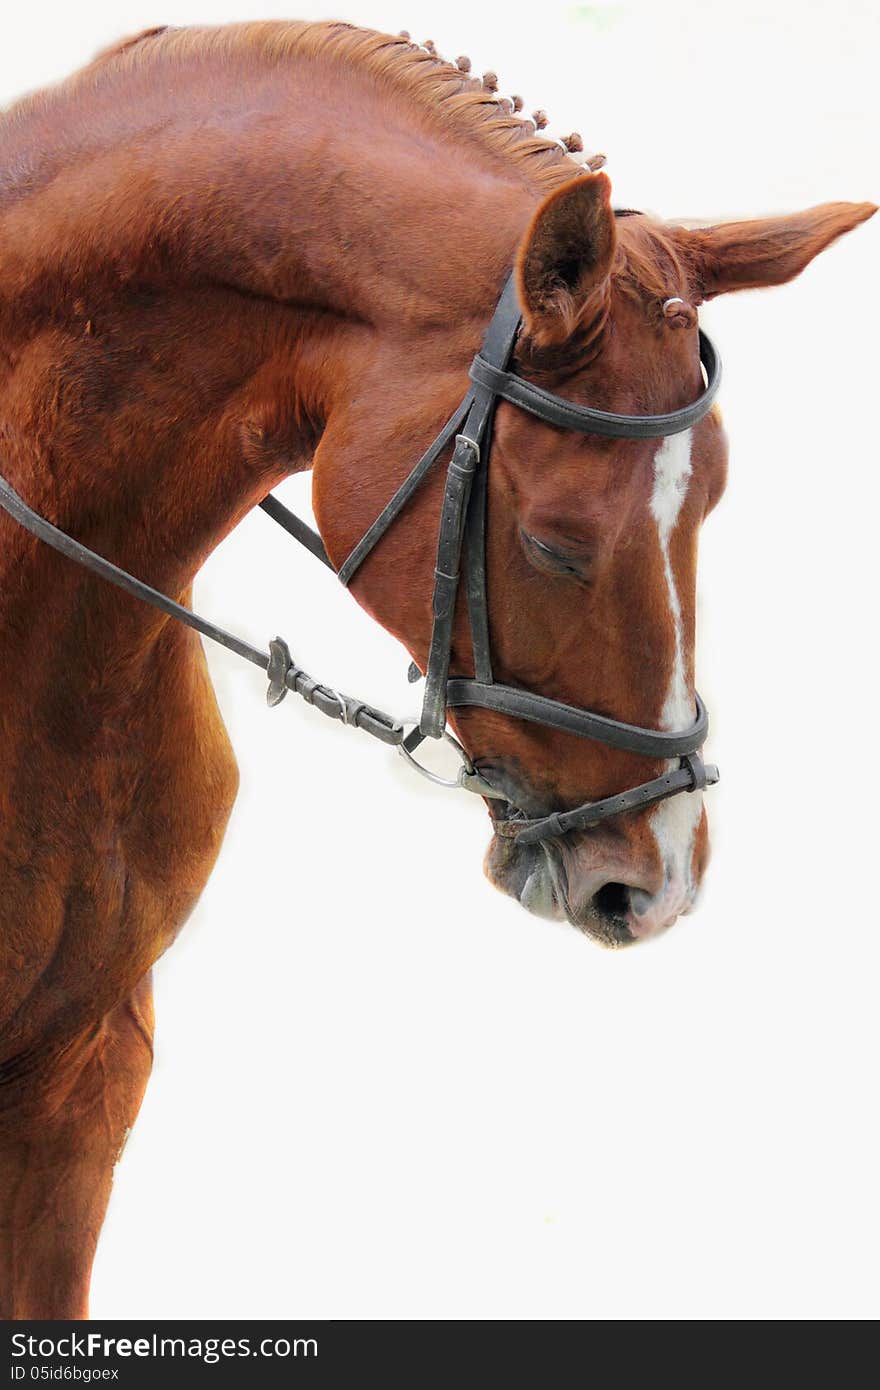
(461, 545)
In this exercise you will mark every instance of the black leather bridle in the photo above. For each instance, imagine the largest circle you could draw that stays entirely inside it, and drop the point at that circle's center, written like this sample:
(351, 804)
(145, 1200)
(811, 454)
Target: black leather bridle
(461, 543)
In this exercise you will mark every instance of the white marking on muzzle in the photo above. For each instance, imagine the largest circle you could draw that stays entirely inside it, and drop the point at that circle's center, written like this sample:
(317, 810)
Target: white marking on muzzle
(674, 822)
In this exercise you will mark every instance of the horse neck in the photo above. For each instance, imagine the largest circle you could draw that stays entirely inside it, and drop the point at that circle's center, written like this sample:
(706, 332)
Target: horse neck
(180, 328)
(309, 180)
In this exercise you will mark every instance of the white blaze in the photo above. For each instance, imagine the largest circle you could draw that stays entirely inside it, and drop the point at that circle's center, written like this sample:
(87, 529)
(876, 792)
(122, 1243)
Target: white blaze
(674, 822)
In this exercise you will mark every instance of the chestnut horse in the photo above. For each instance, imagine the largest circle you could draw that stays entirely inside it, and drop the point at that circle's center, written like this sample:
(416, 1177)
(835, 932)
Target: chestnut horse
(203, 290)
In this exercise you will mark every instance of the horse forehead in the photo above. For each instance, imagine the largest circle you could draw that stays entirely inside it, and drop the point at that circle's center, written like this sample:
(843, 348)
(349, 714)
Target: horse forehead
(588, 489)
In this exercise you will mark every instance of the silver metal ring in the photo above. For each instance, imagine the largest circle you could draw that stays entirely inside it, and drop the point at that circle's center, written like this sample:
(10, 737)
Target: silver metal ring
(676, 299)
(466, 770)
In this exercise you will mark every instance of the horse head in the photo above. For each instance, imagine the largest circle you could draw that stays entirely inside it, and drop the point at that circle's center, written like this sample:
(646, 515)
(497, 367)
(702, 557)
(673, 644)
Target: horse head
(592, 545)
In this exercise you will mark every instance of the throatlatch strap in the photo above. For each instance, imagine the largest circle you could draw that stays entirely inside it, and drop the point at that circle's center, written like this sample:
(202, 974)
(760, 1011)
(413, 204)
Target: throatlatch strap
(296, 527)
(403, 494)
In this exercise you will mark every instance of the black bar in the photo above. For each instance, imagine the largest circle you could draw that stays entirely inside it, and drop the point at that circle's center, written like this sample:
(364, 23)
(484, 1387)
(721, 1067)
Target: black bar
(343, 1354)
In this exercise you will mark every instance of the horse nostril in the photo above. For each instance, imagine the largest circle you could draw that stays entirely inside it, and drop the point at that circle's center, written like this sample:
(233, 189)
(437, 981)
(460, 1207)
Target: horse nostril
(613, 899)
(641, 901)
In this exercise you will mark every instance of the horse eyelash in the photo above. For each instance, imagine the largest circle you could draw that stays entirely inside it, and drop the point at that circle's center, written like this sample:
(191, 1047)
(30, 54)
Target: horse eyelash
(563, 562)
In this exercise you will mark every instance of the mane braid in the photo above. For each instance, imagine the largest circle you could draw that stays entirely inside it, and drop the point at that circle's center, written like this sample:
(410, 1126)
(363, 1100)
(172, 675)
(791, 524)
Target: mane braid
(442, 91)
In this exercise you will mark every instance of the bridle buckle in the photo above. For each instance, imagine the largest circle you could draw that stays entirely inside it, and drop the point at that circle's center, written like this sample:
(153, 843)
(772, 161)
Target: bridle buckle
(466, 442)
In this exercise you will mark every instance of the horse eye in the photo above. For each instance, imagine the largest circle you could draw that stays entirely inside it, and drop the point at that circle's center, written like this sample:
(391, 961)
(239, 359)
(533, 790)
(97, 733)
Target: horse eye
(553, 560)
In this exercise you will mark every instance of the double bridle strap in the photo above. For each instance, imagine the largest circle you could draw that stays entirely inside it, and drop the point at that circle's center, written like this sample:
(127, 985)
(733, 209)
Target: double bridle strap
(461, 545)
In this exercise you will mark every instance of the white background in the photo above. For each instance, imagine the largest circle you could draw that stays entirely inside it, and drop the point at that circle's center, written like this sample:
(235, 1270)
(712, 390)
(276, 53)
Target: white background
(381, 1089)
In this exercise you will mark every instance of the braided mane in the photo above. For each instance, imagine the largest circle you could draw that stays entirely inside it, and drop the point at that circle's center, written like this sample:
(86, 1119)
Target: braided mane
(441, 90)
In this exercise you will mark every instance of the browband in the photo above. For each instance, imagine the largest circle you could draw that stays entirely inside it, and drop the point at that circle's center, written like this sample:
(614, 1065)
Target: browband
(585, 418)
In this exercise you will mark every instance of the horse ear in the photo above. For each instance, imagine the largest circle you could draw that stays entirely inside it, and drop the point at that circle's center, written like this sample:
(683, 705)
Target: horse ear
(565, 256)
(768, 251)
